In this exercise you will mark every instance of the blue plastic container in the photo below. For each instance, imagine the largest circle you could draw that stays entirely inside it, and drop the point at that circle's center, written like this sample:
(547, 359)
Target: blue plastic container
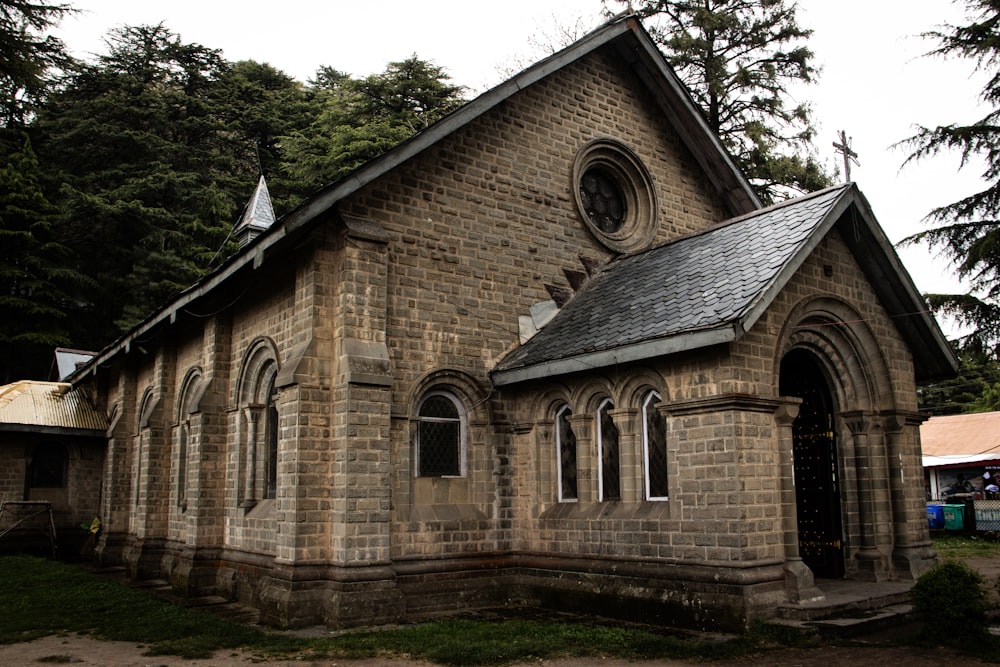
(935, 517)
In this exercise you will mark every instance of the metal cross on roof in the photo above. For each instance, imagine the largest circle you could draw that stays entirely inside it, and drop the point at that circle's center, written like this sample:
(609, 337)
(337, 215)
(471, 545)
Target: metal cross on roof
(844, 148)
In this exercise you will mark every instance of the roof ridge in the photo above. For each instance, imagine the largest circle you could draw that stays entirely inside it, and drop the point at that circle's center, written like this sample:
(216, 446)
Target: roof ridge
(796, 201)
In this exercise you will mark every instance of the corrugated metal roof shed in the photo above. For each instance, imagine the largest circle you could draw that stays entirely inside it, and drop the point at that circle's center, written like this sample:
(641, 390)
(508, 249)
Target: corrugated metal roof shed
(48, 405)
(966, 438)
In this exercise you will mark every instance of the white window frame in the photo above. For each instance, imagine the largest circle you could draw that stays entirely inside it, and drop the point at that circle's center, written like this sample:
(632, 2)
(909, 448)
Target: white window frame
(559, 469)
(600, 451)
(651, 397)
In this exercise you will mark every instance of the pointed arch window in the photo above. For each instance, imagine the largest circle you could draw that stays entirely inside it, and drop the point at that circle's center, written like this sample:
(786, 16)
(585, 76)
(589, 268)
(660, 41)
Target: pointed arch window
(566, 452)
(440, 436)
(654, 448)
(609, 471)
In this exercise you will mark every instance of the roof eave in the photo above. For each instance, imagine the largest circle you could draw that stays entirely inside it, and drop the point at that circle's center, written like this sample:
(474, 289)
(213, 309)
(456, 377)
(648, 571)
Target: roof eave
(53, 430)
(642, 351)
(933, 355)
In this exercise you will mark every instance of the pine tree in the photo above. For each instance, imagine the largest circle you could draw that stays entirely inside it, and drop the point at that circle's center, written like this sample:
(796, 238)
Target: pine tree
(359, 119)
(27, 56)
(151, 169)
(33, 274)
(978, 370)
(968, 231)
(155, 146)
(738, 58)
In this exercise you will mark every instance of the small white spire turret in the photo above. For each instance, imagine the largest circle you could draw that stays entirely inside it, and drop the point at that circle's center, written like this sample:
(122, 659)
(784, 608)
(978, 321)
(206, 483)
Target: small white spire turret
(257, 216)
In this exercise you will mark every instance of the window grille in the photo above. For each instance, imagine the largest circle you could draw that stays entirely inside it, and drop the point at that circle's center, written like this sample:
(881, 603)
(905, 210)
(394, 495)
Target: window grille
(566, 446)
(272, 447)
(439, 437)
(654, 433)
(608, 445)
(182, 454)
(603, 200)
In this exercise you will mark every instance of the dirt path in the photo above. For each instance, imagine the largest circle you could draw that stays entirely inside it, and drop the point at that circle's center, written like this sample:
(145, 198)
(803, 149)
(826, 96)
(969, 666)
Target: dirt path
(83, 651)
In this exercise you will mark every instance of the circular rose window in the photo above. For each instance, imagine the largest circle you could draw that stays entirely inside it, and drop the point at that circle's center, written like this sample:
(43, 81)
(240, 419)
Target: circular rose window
(615, 195)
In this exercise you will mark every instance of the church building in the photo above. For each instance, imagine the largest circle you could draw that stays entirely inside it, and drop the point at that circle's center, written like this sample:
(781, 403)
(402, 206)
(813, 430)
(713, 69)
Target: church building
(551, 350)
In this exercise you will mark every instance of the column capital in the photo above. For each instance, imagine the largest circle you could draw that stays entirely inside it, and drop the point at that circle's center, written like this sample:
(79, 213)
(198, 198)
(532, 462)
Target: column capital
(583, 425)
(894, 421)
(786, 413)
(625, 419)
(857, 421)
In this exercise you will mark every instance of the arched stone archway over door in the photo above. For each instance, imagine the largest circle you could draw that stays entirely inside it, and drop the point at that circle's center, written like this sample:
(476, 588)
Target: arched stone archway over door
(816, 465)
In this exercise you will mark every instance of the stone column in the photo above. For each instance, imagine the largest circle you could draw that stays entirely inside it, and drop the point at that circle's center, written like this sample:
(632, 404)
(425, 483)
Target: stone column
(630, 453)
(912, 552)
(249, 497)
(586, 458)
(799, 581)
(869, 561)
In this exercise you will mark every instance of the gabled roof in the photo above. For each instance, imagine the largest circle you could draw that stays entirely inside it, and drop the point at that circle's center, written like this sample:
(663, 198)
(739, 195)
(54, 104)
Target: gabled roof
(711, 287)
(48, 407)
(952, 439)
(623, 34)
(636, 48)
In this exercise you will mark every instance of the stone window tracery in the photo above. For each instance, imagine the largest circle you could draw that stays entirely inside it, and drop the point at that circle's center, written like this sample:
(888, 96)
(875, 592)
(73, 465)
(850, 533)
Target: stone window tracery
(615, 195)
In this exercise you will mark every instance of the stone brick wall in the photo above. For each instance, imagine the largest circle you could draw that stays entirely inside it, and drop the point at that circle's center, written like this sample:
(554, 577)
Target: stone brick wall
(74, 504)
(478, 225)
(415, 284)
(12, 473)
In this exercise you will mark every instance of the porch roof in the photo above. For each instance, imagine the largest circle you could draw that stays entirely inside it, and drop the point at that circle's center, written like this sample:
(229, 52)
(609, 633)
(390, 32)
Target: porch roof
(711, 287)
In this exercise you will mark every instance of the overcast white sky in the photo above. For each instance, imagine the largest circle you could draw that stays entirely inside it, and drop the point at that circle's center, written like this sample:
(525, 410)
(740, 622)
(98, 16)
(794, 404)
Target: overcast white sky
(874, 84)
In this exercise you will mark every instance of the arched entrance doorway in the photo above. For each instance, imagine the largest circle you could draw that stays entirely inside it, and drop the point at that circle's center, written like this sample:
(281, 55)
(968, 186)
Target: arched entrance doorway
(817, 474)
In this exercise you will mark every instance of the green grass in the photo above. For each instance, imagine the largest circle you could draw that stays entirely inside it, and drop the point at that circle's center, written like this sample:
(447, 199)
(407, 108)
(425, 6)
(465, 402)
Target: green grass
(41, 597)
(961, 546)
(469, 642)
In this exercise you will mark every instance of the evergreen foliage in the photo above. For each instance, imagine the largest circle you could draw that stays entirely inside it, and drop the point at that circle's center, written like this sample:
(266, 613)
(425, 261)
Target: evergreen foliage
(738, 58)
(147, 171)
(33, 268)
(154, 148)
(359, 119)
(978, 371)
(27, 56)
(968, 231)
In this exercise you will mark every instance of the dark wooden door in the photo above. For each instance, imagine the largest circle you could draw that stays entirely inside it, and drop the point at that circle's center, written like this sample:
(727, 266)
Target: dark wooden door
(817, 476)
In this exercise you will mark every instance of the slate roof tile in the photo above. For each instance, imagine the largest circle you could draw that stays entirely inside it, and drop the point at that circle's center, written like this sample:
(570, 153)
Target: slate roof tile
(696, 282)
